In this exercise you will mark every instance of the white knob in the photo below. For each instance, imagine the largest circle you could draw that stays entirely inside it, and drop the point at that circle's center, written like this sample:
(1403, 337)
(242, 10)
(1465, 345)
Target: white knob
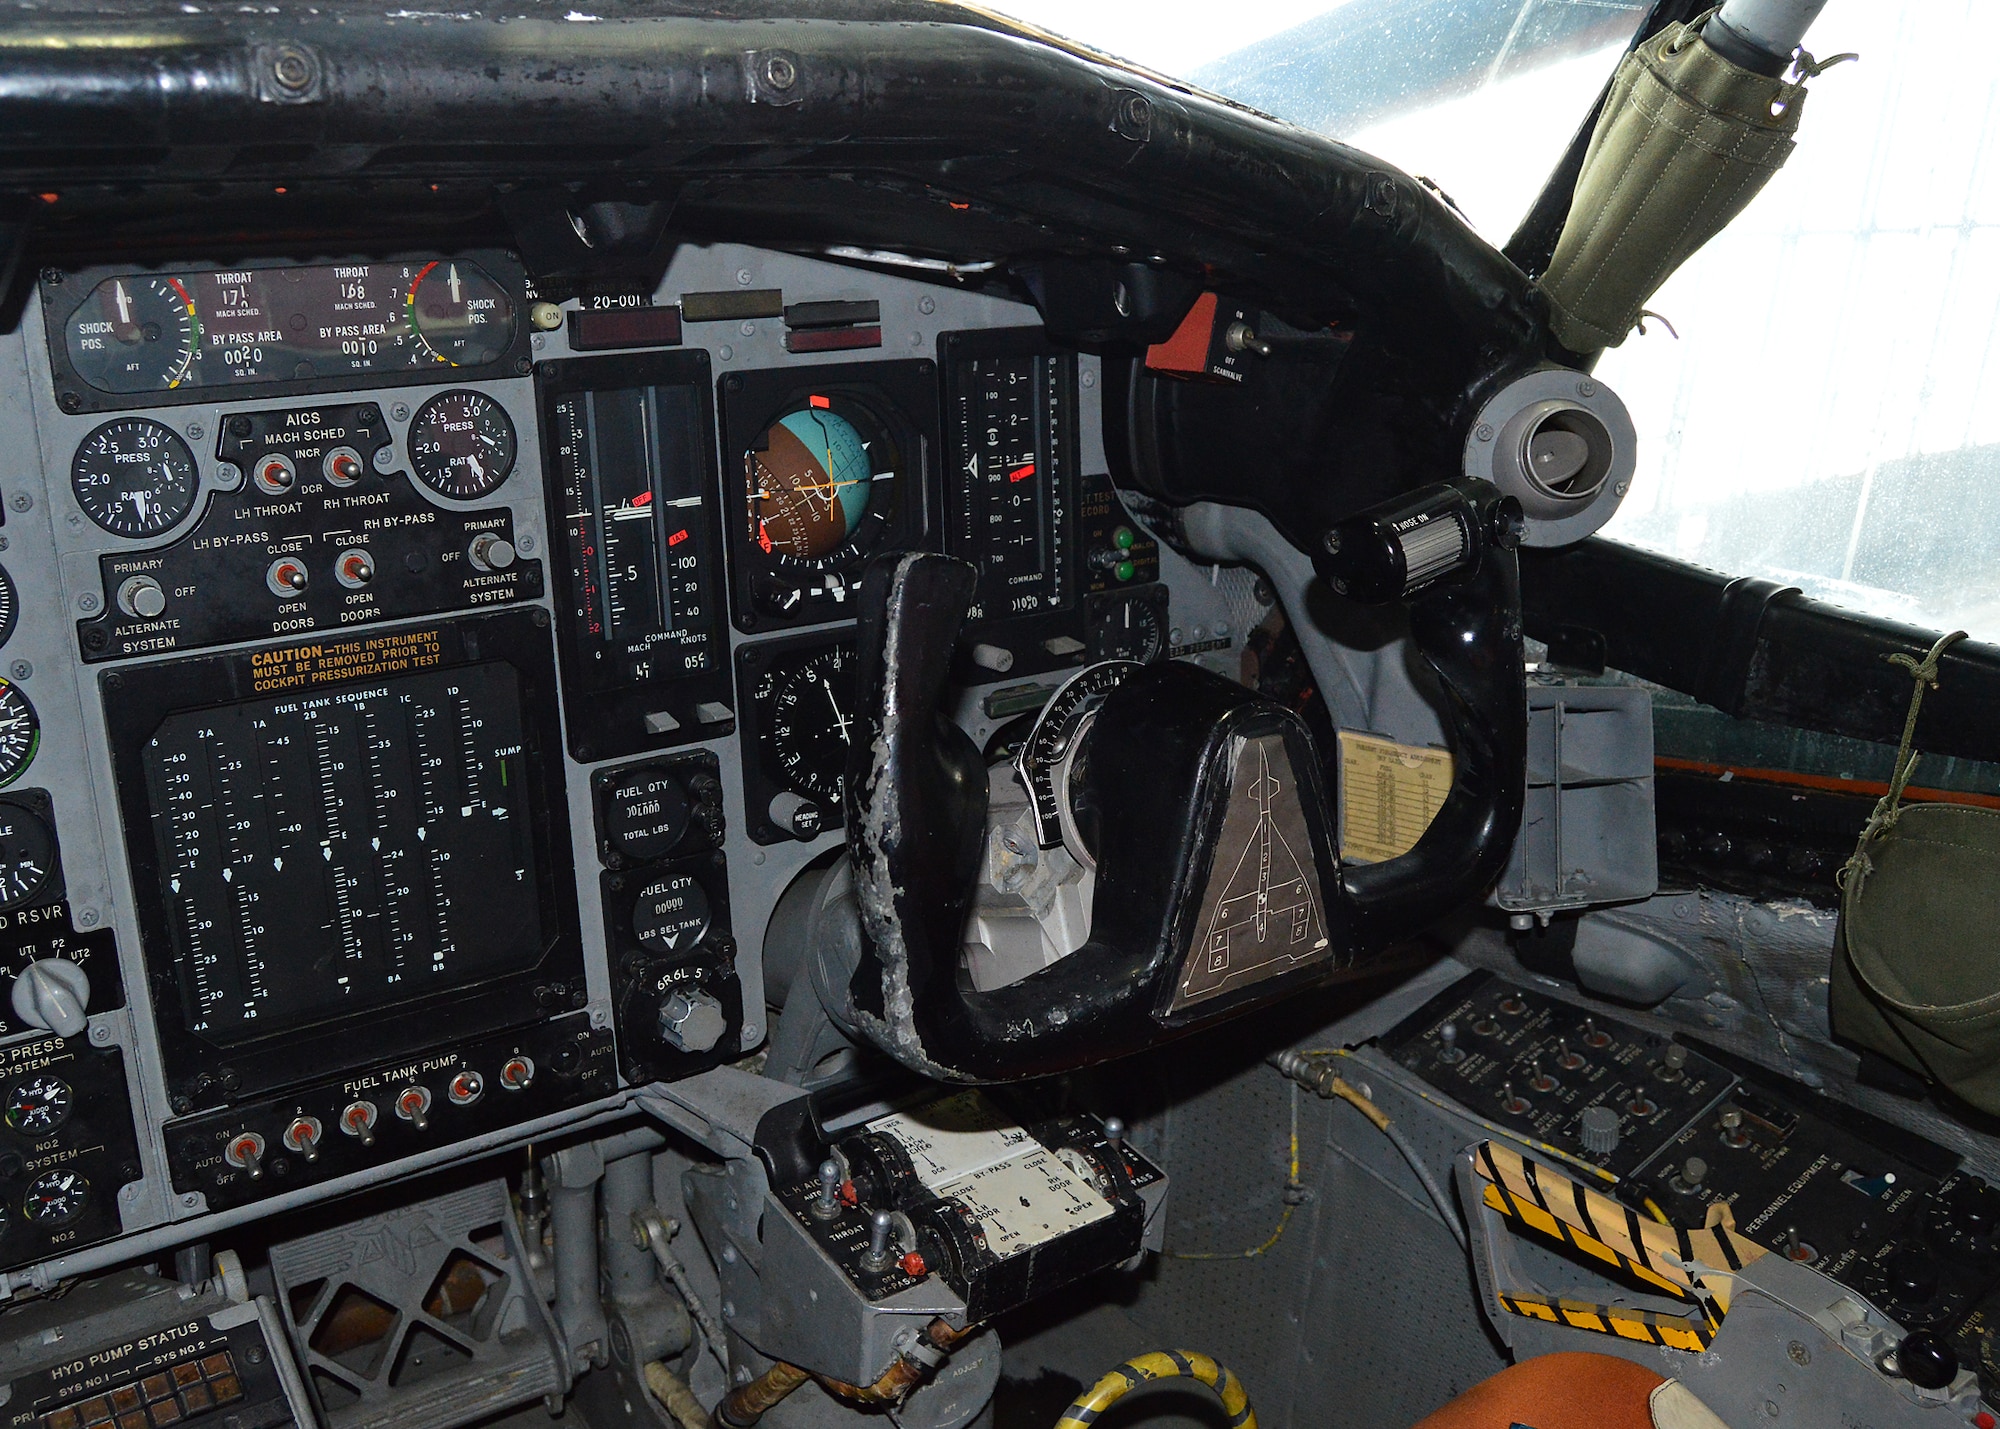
(142, 598)
(692, 1021)
(491, 553)
(52, 994)
(997, 658)
(796, 815)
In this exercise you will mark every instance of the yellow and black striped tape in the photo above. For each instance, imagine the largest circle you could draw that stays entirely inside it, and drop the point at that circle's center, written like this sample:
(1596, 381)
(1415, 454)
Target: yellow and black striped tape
(1601, 1228)
(1676, 1332)
(1162, 1364)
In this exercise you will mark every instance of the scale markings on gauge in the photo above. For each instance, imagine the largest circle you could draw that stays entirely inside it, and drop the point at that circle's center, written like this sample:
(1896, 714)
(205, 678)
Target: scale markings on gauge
(462, 444)
(20, 732)
(10, 605)
(1055, 731)
(134, 477)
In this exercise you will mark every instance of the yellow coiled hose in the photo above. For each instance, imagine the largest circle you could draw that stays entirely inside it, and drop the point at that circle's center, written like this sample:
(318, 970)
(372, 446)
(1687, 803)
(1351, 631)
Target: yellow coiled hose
(1162, 1364)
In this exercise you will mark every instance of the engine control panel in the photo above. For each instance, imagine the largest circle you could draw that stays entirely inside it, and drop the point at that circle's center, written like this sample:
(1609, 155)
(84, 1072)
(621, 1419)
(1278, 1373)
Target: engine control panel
(1881, 1211)
(1000, 1203)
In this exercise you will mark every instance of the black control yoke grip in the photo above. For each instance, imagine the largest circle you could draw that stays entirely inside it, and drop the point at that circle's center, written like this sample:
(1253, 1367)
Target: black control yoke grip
(916, 803)
(1448, 552)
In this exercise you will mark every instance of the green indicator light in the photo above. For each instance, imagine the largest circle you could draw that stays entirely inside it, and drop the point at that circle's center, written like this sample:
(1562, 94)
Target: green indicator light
(1125, 570)
(1123, 538)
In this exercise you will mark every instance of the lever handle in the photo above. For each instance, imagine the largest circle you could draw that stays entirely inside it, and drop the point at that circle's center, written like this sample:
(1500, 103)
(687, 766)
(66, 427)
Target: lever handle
(1448, 551)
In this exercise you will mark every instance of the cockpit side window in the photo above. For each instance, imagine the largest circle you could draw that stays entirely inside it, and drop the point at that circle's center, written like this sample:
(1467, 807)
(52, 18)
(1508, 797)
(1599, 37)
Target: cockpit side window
(1829, 415)
(1819, 400)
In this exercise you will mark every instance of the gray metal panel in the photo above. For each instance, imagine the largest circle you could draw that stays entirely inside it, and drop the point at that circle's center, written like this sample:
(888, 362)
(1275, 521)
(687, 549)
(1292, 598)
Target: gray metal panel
(1365, 1302)
(507, 1348)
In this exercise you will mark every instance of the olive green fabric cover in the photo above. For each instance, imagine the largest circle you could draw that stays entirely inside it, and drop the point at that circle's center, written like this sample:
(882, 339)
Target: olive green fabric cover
(1685, 140)
(1916, 959)
(1916, 955)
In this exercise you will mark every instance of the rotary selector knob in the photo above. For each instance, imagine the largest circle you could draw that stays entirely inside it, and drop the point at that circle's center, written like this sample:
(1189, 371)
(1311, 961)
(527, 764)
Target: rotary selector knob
(1599, 1126)
(1913, 1276)
(52, 993)
(692, 1021)
(142, 599)
(490, 552)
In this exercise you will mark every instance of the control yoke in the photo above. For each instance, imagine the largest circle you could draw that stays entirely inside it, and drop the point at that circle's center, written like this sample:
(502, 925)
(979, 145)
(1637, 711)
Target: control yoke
(1203, 811)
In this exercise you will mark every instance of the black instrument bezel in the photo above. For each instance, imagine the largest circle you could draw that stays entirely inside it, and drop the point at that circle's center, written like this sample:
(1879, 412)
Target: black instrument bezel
(762, 779)
(200, 1073)
(903, 394)
(64, 291)
(1024, 635)
(609, 722)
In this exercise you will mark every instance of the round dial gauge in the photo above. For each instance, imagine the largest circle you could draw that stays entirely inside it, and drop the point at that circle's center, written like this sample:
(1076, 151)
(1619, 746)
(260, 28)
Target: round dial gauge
(462, 444)
(811, 707)
(1129, 629)
(27, 854)
(458, 315)
(821, 481)
(1054, 737)
(134, 477)
(670, 914)
(135, 334)
(56, 1198)
(10, 605)
(20, 732)
(39, 1105)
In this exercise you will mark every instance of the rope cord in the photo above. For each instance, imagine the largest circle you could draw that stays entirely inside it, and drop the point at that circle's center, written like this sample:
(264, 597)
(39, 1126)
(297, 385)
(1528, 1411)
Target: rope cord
(1346, 1091)
(1162, 1364)
(1924, 675)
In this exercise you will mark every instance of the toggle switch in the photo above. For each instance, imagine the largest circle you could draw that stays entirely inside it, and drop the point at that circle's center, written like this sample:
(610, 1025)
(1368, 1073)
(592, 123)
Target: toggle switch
(287, 577)
(354, 568)
(246, 1152)
(413, 1104)
(343, 466)
(303, 1136)
(516, 1073)
(358, 1121)
(274, 474)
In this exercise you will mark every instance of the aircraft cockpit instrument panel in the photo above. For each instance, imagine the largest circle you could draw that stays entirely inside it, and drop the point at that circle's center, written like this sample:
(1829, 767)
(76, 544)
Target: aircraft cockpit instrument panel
(470, 685)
